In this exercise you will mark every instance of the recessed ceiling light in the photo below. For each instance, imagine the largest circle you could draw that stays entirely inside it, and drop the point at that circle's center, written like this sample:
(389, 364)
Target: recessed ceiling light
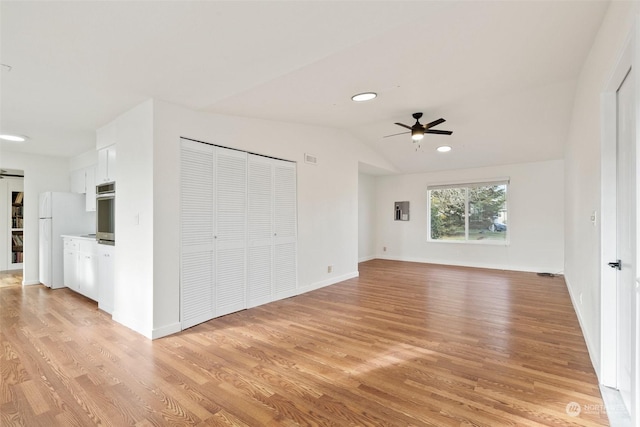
(13, 138)
(366, 96)
(443, 148)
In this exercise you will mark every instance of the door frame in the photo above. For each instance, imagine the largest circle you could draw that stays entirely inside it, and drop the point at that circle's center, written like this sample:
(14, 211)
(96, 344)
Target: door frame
(628, 59)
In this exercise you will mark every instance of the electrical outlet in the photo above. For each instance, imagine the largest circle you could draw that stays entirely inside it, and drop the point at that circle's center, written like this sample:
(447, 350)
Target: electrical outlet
(580, 298)
(330, 269)
(384, 249)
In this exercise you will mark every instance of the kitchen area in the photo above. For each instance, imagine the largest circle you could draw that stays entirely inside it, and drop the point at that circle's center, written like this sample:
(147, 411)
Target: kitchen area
(77, 232)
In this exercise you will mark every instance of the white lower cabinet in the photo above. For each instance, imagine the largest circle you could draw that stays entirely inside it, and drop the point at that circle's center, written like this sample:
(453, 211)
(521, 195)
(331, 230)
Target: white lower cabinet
(106, 282)
(88, 270)
(70, 266)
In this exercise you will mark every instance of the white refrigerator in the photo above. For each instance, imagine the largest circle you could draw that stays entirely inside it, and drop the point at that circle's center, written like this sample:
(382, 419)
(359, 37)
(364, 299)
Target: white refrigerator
(60, 213)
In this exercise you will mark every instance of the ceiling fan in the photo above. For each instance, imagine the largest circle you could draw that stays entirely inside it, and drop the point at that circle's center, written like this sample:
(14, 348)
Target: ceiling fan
(418, 130)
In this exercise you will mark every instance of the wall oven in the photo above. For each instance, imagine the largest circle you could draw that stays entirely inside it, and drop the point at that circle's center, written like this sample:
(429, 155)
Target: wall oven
(106, 213)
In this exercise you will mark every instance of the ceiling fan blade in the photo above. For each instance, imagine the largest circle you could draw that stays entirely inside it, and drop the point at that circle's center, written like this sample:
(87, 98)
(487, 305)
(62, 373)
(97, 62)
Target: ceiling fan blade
(404, 126)
(434, 123)
(396, 134)
(438, 132)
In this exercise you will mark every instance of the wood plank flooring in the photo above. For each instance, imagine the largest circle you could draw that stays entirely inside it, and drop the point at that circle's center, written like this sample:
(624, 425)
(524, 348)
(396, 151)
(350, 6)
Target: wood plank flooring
(10, 278)
(405, 344)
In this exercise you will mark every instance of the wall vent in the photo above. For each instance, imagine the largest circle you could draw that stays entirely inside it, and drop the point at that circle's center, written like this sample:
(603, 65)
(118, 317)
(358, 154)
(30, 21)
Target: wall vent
(310, 158)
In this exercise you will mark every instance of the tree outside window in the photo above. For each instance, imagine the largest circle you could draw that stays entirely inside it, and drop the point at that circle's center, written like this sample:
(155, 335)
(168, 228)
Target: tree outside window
(469, 212)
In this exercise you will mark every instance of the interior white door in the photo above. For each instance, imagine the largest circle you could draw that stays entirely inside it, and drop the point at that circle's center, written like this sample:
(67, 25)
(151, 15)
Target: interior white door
(197, 270)
(231, 230)
(285, 271)
(625, 233)
(260, 231)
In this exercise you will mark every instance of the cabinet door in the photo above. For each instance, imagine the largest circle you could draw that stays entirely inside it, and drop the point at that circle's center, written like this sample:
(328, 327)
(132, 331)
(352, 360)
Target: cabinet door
(70, 264)
(231, 230)
(106, 278)
(106, 165)
(87, 281)
(196, 233)
(78, 184)
(103, 173)
(90, 198)
(111, 163)
(285, 229)
(259, 230)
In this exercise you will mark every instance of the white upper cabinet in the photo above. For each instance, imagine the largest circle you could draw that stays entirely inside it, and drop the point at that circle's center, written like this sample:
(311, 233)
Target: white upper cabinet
(106, 165)
(78, 184)
(106, 140)
(90, 183)
(83, 181)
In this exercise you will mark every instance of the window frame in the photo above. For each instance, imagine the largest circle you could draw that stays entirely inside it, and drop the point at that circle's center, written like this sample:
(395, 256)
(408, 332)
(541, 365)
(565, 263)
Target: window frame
(466, 185)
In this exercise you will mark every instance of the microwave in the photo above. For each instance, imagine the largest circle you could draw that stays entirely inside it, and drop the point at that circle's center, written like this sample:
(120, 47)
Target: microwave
(106, 213)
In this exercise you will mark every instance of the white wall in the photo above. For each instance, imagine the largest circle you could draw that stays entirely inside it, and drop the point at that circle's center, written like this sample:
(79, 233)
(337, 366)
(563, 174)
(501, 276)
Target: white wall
(134, 250)
(366, 217)
(81, 161)
(41, 173)
(147, 254)
(582, 173)
(535, 206)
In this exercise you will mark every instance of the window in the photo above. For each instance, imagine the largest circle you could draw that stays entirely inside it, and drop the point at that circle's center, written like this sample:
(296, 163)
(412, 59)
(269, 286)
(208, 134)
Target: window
(469, 212)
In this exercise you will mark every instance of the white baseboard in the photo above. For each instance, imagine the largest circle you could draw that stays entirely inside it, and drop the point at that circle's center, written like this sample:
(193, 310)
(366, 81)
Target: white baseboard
(166, 330)
(366, 258)
(471, 264)
(131, 323)
(327, 282)
(590, 348)
(30, 282)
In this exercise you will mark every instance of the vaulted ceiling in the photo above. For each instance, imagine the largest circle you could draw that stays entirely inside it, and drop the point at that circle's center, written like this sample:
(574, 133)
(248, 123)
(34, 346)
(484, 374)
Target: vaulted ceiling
(502, 73)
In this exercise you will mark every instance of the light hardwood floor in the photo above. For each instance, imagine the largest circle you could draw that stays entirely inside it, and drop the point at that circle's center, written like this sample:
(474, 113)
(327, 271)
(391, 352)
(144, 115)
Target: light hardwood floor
(10, 278)
(405, 344)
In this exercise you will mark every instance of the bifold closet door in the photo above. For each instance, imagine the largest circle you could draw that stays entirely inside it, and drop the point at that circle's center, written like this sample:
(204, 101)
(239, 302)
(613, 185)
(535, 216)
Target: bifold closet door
(285, 226)
(260, 231)
(231, 230)
(197, 272)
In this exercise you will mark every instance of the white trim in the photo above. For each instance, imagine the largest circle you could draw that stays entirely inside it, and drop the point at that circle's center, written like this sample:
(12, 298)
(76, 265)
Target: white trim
(366, 258)
(454, 263)
(166, 330)
(607, 372)
(328, 282)
(466, 185)
(130, 322)
(590, 348)
(488, 181)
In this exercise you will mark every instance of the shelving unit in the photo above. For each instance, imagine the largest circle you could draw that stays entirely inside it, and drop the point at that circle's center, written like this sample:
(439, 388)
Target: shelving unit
(17, 224)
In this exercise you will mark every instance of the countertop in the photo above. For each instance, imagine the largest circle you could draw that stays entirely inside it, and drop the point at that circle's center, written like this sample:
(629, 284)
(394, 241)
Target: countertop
(80, 236)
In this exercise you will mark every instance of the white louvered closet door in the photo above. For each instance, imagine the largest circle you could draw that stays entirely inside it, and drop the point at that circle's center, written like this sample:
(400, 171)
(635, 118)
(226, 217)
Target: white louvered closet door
(285, 272)
(197, 273)
(231, 230)
(260, 231)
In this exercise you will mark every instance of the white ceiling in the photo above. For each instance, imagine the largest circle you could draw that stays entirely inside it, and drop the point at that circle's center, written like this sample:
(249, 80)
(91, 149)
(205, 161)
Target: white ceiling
(503, 73)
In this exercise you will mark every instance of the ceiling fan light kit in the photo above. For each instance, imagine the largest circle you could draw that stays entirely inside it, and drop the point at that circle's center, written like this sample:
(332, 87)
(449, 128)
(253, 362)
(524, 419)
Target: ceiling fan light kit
(418, 130)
